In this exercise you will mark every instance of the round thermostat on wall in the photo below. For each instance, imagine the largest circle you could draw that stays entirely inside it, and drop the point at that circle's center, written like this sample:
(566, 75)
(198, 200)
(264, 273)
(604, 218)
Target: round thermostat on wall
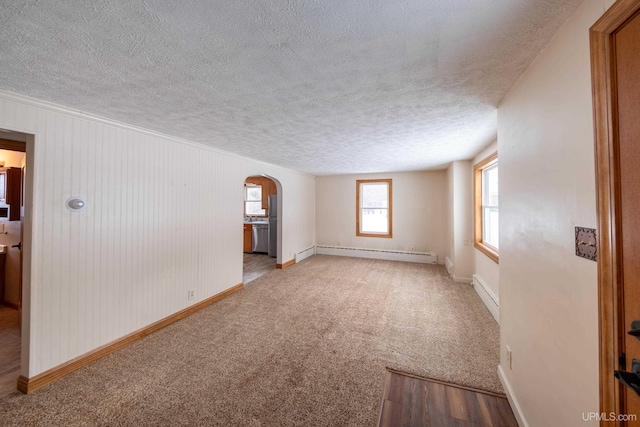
(76, 204)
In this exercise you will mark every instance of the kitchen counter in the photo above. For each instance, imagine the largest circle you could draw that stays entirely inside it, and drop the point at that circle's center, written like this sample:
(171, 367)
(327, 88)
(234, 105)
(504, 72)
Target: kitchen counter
(262, 221)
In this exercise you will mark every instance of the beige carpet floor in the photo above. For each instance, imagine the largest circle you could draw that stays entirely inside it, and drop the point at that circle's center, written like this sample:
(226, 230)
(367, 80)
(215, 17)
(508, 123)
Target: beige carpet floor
(304, 346)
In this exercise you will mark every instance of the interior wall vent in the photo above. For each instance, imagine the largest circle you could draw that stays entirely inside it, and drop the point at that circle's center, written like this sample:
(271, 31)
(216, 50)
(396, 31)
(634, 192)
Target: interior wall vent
(391, 255)
(488, 297)
(448, 265)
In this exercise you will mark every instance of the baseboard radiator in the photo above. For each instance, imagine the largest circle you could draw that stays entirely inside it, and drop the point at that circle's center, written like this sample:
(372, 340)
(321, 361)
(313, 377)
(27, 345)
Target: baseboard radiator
(489, 299)
(448, 265)
(302, 255)
(419, 257)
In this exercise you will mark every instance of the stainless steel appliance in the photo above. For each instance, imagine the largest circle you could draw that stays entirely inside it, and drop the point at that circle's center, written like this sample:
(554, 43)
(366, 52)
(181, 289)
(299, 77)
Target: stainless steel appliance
(273, 225)
(260, 238)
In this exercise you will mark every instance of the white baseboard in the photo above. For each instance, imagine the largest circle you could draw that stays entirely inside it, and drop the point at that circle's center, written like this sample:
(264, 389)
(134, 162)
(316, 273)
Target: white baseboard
(459, 279)
(302, 255)
(515, 406)
(448, 265)
(487, 297)
(391, 255)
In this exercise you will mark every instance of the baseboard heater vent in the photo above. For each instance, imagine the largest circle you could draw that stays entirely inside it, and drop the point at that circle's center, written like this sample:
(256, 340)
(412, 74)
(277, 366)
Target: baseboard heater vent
(489, 299)
(420, 257)
(448, 265)
(302, 255)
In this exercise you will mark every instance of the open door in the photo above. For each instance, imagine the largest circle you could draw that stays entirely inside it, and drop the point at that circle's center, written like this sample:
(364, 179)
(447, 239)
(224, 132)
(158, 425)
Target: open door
(615, 65)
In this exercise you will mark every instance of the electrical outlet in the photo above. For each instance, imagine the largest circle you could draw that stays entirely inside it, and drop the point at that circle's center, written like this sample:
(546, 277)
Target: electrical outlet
(509, 357)
(191, 294)
(466, 242)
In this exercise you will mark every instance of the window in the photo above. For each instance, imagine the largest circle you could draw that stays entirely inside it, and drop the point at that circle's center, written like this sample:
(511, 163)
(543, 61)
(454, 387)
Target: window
(487, 231)
(253, 200)
(373, 208)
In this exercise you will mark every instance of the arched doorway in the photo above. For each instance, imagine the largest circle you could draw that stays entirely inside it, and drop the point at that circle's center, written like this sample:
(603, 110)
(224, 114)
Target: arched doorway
(262, 218)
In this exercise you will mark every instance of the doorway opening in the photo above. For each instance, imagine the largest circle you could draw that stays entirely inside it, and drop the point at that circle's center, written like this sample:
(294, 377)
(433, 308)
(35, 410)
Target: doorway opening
(262, 237)
(13, 166)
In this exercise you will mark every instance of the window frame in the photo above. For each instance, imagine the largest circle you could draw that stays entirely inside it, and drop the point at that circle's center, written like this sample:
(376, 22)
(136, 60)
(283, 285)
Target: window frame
(246, 190)
(478, 220)
(389, 233)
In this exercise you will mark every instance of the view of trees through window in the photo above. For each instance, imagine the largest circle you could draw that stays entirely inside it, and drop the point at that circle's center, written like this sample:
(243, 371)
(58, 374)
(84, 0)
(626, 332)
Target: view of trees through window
(374, 208)
(253, 201)
(486, 229)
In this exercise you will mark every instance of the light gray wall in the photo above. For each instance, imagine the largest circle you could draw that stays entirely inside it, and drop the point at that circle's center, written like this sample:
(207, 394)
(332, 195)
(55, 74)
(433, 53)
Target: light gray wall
(548, 296)
(419, 212)
(460, 213)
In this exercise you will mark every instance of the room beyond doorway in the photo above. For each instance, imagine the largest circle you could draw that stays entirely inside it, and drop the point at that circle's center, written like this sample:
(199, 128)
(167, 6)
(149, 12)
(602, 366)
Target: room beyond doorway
(261, 236)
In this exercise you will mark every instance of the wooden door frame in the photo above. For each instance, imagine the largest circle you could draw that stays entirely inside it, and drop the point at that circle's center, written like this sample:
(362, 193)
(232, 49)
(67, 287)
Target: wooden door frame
(605, 117)
(10, 145)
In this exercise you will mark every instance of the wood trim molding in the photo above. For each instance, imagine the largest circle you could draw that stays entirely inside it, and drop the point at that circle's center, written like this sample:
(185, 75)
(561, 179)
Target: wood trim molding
(29, 385)
(11, 305)
(604, 90)
(6, 144)
(477, 207)
(463, 387)
(286, 264)
(389, 182)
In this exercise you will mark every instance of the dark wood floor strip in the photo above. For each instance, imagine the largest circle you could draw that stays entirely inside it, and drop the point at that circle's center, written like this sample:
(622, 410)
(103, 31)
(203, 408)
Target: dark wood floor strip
(9, 349)
(412, 401)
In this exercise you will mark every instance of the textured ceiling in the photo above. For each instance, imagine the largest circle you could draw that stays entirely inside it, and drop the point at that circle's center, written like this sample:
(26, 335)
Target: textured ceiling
(321, 86)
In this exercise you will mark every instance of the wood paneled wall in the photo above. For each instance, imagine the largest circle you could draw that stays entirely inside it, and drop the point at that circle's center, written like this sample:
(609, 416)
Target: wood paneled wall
(163, 217)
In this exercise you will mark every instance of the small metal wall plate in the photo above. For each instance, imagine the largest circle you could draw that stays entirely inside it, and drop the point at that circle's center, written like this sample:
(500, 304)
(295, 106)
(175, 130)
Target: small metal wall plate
(586, 244)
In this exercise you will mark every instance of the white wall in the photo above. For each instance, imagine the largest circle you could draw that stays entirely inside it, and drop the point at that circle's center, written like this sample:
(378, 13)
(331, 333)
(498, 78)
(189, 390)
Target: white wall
(548, 296)
(487, 269)
(463, 220)
(419, 212)
(164, 216)
(460, 212)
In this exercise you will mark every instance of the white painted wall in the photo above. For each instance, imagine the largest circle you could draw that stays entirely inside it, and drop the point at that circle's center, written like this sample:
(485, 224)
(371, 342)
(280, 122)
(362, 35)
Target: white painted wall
(164, 216)
(450, 223)
(548, 296)
(419, 212)
(463, 220)
(460, 211)
(485, 267)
